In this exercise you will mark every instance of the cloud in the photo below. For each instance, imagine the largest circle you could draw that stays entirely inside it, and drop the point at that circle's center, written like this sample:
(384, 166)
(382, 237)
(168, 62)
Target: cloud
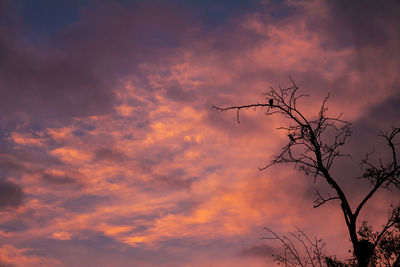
(347, 23)
(13, 256)
(11, 195)
(10, 164)
(75, 72)
(135, 161)
(261, 250)
(83, 203)
(58, 180)
(108, 153)
(48, 85)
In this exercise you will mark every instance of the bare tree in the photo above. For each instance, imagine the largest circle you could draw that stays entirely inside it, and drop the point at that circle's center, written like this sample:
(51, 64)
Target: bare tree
(311, 250)
(313, 146)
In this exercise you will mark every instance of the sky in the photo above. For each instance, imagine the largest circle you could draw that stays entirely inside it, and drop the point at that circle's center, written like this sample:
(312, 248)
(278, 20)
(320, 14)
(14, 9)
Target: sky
(110, 154)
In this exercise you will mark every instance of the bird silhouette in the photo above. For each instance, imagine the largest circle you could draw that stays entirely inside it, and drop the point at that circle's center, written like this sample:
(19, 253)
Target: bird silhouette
(292, 138)
(271, 102)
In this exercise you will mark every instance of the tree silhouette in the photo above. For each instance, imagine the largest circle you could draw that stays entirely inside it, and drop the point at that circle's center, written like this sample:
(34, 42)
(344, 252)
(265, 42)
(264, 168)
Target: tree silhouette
(313, 146)
(299, 249)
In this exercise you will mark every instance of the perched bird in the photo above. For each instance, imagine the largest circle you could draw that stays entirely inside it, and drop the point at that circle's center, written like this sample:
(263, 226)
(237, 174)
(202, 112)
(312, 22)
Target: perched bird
(271, 102)
(292, 138)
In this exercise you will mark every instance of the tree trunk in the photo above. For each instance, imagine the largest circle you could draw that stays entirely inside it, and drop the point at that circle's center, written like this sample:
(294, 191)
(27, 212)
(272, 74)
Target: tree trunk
(362, 249)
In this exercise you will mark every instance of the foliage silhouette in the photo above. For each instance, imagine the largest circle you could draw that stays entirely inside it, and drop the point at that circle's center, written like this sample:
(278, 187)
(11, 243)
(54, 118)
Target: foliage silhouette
(314, 145)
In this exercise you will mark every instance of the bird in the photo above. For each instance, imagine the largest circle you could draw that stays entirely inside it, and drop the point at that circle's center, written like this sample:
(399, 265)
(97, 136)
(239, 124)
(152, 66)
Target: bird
(271, 102)
(292, 138)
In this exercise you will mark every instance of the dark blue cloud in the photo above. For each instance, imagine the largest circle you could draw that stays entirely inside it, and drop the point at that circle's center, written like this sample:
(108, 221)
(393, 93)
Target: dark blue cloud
(359, 23)
(84, 203)
(11, 195)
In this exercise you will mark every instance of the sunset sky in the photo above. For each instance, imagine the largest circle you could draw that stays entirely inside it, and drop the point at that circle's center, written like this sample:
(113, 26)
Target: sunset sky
(111, 156)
